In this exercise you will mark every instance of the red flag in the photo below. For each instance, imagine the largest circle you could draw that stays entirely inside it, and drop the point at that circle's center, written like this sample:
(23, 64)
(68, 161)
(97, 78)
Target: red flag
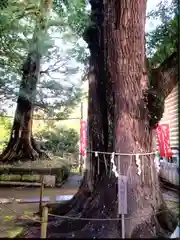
(160, 140)
(163, 137)
(83, 137)
(166, 140)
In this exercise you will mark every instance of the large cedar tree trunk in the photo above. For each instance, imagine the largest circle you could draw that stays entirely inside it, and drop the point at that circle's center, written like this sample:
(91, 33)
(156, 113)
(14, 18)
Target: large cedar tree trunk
(117, 104)
(125, 41)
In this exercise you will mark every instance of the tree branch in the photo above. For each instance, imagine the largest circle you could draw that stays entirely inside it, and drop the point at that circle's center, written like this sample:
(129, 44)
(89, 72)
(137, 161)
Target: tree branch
(162, 81)
(54, 67)
(165, 76)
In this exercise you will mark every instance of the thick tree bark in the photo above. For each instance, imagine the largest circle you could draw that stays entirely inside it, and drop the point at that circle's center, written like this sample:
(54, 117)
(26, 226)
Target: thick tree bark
(125, 25)
(97, 103)
(117, 63)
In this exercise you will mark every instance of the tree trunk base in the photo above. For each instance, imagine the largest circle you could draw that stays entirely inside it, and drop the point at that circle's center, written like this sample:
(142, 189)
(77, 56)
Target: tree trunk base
(19, 150)
(102, 204)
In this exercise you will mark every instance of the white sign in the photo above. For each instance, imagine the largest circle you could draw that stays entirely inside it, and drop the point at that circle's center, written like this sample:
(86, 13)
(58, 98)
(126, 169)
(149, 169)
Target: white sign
(49, 180)
(122, 194)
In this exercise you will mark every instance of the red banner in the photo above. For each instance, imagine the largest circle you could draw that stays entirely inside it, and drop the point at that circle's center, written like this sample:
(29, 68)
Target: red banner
(83, 137)
(163, 137)
(160, 140)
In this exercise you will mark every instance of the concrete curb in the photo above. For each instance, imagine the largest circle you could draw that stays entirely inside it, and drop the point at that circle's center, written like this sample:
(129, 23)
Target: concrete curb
(36, 199)
(59, 198)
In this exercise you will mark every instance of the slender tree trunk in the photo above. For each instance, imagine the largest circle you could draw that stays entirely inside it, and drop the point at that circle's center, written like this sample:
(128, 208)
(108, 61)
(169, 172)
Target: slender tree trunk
(21, 145)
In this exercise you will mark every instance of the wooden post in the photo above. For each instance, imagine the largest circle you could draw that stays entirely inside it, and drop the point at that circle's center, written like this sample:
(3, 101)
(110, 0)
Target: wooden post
(44, 222)
(41, 195)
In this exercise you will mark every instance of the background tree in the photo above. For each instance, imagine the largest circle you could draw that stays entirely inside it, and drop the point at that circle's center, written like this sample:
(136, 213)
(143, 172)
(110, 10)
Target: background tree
(35, 94)
(21, 144)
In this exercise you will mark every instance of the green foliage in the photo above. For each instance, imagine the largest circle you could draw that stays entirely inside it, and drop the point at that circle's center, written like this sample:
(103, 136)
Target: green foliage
(3, 4)
(5, 128)
(14, 37)
(59, 140)
(162, 41)
(57, 90)
(76, 14)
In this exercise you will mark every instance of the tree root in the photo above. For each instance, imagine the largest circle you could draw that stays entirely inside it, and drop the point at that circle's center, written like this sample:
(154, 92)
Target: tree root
(90, 230)
(60, 208)
(166, 219)
(75, 205)
(160, 225)
(18, 150)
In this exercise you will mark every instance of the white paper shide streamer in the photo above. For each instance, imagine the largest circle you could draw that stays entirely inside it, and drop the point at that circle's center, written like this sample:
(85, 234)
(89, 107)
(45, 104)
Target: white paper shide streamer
(97, 156)
(114, 169)
(157, 162)
(138, 163)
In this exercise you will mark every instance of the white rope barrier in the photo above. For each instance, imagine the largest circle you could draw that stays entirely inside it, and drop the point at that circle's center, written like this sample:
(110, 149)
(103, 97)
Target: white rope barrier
(113, 154)
(123, 154)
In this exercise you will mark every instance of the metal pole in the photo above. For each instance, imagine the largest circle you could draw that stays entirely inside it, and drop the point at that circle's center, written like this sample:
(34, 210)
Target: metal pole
(123, 226)
(120, 204)
(119, 173)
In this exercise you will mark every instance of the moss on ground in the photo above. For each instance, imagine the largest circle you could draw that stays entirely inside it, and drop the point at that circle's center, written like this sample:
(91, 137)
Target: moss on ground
(15, 232)
(12, 177)
(174, 206)
(61, 175)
